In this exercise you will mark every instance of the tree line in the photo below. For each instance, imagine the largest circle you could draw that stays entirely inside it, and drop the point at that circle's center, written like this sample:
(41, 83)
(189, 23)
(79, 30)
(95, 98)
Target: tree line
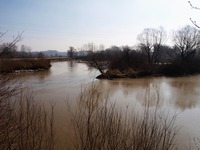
(151, 56)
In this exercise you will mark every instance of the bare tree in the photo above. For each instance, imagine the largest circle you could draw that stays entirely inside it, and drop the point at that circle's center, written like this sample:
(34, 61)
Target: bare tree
(95, 60)
(15, 39)
(151, 40)
(186, 42)
(8, 49)
(71, 52)
(25, 48)
(25, 51)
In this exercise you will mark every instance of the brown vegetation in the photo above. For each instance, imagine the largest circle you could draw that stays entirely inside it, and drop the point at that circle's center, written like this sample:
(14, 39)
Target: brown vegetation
(24, 124)
(11, 65)
(100, 125)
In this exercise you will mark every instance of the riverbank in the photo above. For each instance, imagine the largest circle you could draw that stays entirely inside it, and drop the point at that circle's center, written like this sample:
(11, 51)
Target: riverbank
(33, 64)
(168, 70)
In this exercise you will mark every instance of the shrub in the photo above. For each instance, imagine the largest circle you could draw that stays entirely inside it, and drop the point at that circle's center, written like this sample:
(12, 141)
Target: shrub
(100, 125)
(24, 124)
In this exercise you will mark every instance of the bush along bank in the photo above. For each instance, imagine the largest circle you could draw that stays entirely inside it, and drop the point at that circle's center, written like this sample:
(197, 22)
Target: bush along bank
(168, 70)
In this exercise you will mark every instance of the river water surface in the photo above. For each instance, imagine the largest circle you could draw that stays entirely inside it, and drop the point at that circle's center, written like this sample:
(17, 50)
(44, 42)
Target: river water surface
(66, 79)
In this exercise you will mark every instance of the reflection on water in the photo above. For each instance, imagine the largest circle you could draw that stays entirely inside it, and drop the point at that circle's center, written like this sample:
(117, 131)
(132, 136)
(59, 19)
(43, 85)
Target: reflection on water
(65, 79)
(72, 65)
(181, 93)
(187, 90)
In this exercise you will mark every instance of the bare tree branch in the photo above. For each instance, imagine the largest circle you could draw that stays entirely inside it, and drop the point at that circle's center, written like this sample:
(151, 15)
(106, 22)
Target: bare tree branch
(194, 7)
(193, 21)
(1, 35)
(16, 39)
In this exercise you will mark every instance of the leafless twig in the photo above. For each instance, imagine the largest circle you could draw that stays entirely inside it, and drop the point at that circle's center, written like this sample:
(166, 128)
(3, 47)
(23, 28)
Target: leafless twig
(1, 35)
(99, 124)
(16, 39)
(194, 7)
(193, 21)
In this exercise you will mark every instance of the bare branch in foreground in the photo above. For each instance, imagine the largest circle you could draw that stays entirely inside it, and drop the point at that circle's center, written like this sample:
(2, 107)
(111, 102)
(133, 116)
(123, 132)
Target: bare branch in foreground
(99, 124)
(194, 7)
(193, 21)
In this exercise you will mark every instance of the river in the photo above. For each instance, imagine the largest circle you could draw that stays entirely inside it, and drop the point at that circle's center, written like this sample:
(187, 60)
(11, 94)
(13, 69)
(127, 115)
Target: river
(66, 79)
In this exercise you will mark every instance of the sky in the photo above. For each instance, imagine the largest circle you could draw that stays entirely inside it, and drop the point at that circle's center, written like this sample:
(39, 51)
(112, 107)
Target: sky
(58, 24)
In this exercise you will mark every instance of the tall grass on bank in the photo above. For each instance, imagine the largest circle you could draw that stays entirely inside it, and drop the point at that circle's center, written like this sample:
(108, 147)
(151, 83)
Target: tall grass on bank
(100, 124)
(24, 124)
(10, 65)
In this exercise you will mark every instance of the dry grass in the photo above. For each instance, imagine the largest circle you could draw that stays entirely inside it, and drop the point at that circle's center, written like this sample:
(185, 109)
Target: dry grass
(98, 124)
(10, 65)
(24, 124)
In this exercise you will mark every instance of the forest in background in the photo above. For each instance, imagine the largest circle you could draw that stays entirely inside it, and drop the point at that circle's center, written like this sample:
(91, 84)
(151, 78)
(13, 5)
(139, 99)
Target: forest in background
(150, 57)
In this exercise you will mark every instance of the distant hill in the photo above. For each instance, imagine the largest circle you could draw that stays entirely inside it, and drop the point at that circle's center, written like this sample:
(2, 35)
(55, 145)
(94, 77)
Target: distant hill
(52, 53)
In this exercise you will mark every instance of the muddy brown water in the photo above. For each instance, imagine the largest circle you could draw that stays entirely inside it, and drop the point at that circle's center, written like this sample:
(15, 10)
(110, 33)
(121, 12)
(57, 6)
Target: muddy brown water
(65, 80)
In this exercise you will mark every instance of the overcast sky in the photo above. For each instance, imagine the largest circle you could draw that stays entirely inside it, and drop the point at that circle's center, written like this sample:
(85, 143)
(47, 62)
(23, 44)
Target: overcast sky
(58, 24)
